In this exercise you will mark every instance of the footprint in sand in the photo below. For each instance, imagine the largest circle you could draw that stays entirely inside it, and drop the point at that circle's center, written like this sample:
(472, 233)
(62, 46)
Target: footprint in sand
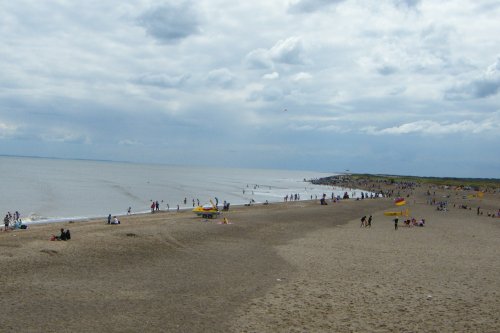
(49, 252)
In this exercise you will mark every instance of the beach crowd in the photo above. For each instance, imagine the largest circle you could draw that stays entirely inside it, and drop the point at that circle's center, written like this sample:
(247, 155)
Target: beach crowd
(13, 221)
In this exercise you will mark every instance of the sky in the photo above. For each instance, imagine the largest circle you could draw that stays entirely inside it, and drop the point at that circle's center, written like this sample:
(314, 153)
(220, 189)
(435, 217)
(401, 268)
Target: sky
(406, 87)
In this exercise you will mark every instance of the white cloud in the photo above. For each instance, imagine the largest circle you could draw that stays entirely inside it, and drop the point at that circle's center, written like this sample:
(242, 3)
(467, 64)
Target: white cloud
(127, 142)
(7, 130)
(433, 127)
(64, 135)
(288, 51)
(271, 76)
(285, 51)
(302, 76)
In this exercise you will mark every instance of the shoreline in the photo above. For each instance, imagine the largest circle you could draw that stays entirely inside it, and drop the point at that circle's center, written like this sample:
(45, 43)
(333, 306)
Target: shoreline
(171, 211)
(328, 188)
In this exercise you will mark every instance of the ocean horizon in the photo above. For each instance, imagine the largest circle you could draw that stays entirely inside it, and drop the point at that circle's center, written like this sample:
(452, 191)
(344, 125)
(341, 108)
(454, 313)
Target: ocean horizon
(53, 189)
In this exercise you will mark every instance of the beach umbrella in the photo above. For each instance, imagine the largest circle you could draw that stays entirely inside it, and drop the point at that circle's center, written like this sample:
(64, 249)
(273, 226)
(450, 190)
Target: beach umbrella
(400, 201)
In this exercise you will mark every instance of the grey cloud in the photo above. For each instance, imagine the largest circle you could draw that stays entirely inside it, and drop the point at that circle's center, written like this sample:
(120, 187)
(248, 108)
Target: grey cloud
(407, 3)
(486, 85)
(486, 6)
(221, 77)
(476, 89)
(485, 88)
(272, 94)
(436, 40)
(161, 80)
(258, 59)
(268, 94)
(387, 70)
(170, 23)
(309, 6)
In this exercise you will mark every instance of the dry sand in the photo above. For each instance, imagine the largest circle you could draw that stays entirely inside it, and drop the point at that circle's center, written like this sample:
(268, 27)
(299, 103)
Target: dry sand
(288, 267)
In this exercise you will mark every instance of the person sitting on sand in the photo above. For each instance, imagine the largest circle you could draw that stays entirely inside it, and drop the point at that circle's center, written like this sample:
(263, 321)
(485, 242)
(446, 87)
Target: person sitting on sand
(62, 236)
(115, 221)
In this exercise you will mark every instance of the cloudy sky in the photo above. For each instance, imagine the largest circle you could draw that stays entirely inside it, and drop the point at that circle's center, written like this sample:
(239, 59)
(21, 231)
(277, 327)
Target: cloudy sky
(391, 86)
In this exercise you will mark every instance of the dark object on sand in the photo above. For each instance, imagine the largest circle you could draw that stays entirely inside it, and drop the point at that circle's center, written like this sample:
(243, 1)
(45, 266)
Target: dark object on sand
(65, 235)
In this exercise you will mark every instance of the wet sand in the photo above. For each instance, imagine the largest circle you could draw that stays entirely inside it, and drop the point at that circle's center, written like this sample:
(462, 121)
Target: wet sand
(287, 267)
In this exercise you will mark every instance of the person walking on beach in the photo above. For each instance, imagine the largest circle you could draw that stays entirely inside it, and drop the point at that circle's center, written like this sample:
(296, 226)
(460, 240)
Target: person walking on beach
(369, 222)
(363, 220)
(109, 219)
(153, 207)
(6, 221)
(396, 223)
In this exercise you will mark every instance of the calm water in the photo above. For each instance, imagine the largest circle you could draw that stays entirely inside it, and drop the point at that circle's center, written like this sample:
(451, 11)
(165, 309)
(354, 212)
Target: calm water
(51, 189)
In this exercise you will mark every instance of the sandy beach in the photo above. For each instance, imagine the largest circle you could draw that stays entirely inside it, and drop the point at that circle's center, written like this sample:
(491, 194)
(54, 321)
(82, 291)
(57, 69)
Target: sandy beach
(284, 267)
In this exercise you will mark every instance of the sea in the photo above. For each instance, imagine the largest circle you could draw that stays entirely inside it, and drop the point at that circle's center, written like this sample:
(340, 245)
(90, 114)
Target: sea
(52, 190)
